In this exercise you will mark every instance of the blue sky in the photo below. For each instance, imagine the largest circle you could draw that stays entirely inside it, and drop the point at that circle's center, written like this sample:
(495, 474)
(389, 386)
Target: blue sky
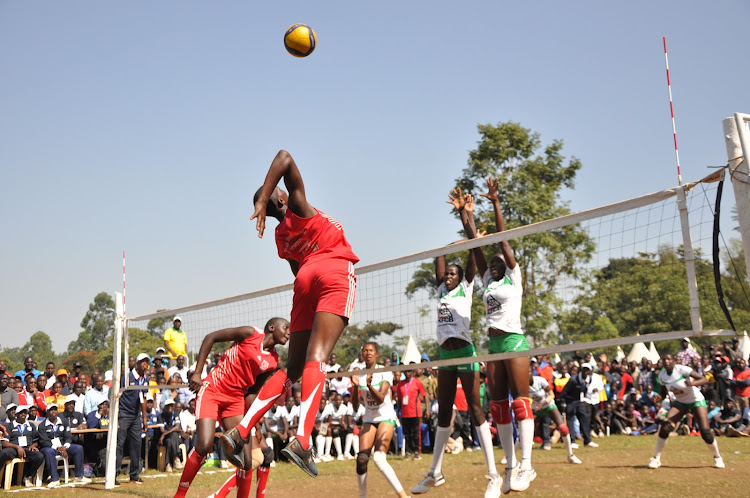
(147, 126)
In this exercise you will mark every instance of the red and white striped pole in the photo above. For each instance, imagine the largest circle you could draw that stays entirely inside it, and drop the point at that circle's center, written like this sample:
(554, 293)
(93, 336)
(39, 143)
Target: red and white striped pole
(671, 110)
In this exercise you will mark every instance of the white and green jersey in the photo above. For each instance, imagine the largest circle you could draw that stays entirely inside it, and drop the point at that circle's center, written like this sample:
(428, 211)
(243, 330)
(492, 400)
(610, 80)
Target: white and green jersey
(502, 300)
(538, 393)
(677, 384)
(454, 312)
(374, 410)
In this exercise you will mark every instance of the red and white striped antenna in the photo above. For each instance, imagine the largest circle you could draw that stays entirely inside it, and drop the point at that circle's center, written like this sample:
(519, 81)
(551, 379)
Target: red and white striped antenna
(671, 110)
(124, 298)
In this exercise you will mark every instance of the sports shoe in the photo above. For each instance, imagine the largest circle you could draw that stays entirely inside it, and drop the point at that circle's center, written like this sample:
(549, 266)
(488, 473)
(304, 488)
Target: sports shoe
(503, 461)
(592, 445)
(178, 465)
(427, 483)
(522, 479)
(601, 433)
(137, 480)
(232, 442)
(168, 468)
(545, 447)
(81, 480)
(326, 458)
(719, 463)
(469, 448)
(732, 432)
(301, 457)
(340, 457)
(574, 459)
(54, 484)
(695, 433)
(349, 456)
(417, 456)
(574, 446)
(494, 486)
(272, 465)
(27, 482)
(654, 463)
(223, 464)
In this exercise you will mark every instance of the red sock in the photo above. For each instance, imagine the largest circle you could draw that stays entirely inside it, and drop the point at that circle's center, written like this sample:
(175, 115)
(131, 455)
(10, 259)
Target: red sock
(192, 466)
(268, 394)
(244, 483)
(262, 476)
(227, 486)
(313, 382)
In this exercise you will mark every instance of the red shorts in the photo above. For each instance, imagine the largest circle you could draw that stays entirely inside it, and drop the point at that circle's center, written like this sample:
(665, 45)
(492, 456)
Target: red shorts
(325, 285)
(218, 405)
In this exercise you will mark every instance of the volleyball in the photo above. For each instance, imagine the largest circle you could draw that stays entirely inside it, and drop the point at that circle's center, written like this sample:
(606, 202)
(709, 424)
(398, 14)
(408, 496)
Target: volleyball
(300, 40)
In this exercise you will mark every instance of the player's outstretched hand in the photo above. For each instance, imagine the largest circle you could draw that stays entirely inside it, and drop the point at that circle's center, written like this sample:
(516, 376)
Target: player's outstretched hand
(195, 382)
(457, 199)
(492, 186)
(468, 203)
(260, 214)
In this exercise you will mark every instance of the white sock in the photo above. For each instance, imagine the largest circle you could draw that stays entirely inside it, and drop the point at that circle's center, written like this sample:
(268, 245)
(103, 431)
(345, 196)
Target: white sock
(329, 440)
(348, 444)
(714, 447)
(526, 437)
(485, 441)
(385, 468)
(337, 445)
(660, 444)
(320, 442)
(566, 440)
(441, 439)
(505, 431)
(362, 484)
(355, 443)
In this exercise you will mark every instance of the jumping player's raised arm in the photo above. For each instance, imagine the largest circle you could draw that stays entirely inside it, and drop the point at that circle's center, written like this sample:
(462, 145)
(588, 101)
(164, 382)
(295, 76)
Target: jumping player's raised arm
(492, 185)
(223, 335)
(283, 166)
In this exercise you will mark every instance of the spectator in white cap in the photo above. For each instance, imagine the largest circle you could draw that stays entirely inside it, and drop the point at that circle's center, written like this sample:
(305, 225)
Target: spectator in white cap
(55, 439)
(23, 442)
(175, 340)
(170, 436)
(132, 417)
(10, 413)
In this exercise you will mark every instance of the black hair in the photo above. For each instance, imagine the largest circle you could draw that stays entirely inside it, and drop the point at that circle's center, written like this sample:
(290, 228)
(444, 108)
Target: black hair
(460, 271)
(374, 344)
(271, 208)
(273, 321)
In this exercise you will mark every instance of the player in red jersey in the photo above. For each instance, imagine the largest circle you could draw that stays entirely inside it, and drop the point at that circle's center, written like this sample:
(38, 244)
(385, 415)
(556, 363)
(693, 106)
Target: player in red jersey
(221, 395)
(324, 286)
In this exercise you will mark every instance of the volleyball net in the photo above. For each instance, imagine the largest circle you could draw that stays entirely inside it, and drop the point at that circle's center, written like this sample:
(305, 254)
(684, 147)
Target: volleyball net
(575, 297)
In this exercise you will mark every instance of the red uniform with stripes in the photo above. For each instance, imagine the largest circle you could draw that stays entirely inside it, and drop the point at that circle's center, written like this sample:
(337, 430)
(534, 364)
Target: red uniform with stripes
(325, 280)
(223, 391)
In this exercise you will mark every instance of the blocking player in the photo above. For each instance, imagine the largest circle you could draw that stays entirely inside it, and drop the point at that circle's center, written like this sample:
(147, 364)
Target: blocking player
(323, 264)
(221, 395)
(683, 382)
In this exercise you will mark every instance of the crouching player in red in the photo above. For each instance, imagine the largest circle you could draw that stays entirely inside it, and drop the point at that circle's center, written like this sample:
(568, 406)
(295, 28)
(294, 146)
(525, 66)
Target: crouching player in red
(221, 395)
(324, 286)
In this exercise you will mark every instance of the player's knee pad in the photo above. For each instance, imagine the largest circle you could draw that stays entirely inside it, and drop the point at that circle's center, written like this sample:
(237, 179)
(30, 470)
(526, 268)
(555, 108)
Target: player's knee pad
(267, 457)
(500, 411)
(362, 458)
(707, 436)
(380, 460)
(522, 409)
(666, 428)
(564, 431)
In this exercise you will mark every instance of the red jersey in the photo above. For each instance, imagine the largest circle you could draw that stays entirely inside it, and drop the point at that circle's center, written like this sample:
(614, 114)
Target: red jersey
(242, 363)
(308, 239)
(408, 393)
(460, 400)
(739, 390)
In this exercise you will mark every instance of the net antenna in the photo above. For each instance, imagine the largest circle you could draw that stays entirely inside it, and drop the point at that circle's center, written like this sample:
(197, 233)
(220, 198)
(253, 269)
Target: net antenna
(671, 110)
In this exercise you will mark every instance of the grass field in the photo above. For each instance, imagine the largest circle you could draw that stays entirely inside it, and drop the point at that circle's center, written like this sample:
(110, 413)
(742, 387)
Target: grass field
(618, 466)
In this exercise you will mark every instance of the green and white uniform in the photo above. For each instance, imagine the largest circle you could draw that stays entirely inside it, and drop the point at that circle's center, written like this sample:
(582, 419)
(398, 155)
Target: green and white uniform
(538, 395)
(454, 320)
(502, 300)
(686, 397)
(376, 412)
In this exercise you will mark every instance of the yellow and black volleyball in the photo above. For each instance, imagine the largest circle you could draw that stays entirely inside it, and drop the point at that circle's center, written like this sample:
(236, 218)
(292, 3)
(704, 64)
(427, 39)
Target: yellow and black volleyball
(300, 40)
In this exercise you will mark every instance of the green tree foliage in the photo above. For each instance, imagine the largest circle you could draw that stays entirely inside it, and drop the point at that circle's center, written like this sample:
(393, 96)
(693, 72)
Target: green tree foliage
(157, 326)
(87, 359)
(98, 325)
(355, 336)
(531, 181)
(39, 347)
(139, 341)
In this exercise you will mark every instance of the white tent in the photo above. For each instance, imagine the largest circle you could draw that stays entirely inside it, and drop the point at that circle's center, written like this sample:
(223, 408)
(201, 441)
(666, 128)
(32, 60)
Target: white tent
(653, 353)
(638, 352)
(411, 353)
(744, 345)
(620, 354)
(556, 359)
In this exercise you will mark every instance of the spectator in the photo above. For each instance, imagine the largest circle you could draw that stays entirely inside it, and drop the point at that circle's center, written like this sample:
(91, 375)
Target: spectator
(62, 378)
(592, 399)
(335, 414)
(277, 429)
(41, 382)
(359, 363)
(57, 397)
(160, 369)
(4, 368)
(34, 417)
(49, 371)
(167, 394)
(687, 353)
(96, 444)
(742, 385)
(187, 422)
(131, 362)
(73, 419)
(341, 385)
(626, 380)
(132, 418)
(95, 395)
(646, 374)
(23, 442)
(729, 420)
(175, 340)
(55, 439)
(10, 414)
(28, 363)
(180, 368)
(76, 374)
(17, 385)
(573, 394)
(292, 416)
(410, 395)
(184, 394)
(29, 394)
(77, 395)
(170, 437)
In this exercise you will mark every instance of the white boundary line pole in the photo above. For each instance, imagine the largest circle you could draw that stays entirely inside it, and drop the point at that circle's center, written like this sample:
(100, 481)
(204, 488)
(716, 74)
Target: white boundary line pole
(111, 473)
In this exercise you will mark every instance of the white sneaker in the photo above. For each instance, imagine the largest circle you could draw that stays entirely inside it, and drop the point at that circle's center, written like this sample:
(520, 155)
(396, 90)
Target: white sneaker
(27, 482)
(504, 461)
(317, 460)
(168, 468)
(523, 479)
(223, 464)
(54, 484)
(601, 433)
(178, 464)
(494, 487)
(546, 447)
(719, 463)
(340, 457)
(574, 459)
(592, 445)
(428, 482)
(349, 457)
(574, 446)
(273, 464)
(654, 463)
(326, 458)
(81, 480)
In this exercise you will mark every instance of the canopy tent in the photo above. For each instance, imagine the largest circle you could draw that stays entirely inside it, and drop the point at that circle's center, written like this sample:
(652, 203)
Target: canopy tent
(744, 346)
(638, 352)
(620, 354)
(653, 353)
(411, 353)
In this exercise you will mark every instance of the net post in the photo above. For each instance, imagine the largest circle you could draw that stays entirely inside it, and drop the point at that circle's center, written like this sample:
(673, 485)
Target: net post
(737, 141)
(687, 243)
(111, 472)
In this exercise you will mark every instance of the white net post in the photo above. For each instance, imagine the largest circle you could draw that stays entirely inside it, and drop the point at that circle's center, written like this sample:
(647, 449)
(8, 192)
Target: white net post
(111, 473)
(737, 139)
(687, 242)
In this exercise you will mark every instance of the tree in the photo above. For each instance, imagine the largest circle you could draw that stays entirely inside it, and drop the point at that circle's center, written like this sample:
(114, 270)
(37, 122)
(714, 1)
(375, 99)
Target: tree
(157, 326)
(355, 336)
(39, 347)
(98, 325)
(530, 187)
(139, 341)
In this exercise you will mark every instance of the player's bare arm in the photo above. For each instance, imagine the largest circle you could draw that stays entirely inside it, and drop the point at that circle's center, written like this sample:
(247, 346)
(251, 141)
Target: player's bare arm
(492, 196)
(379, 395)
(223, 335)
